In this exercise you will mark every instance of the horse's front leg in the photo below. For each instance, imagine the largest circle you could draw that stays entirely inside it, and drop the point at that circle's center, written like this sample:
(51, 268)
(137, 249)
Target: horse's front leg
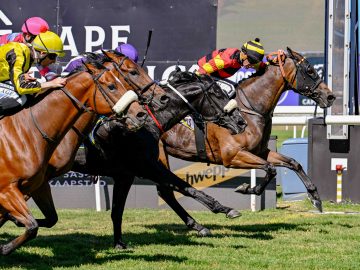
(122, 185)
(168, 196)
(44, 200)
(246, 160)
(12, 201)
(280, 160)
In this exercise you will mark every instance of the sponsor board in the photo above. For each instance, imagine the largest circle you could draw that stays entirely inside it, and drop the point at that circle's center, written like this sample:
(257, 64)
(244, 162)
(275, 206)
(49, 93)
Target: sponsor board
(201, 175)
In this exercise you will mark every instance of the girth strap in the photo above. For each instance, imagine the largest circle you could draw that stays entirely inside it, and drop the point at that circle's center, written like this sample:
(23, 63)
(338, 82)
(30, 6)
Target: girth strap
(200, 142)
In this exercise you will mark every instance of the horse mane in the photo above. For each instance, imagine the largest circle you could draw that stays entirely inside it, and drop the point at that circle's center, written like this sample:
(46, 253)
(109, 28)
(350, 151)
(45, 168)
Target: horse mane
(90, 58)
(95, 59)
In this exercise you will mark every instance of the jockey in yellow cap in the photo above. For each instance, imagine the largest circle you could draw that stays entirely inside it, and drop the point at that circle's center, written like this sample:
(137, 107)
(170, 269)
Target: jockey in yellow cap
(15, 61)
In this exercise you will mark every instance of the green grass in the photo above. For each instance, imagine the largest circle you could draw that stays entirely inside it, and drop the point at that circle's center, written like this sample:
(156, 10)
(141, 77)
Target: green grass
(289, 237)
(283, 134)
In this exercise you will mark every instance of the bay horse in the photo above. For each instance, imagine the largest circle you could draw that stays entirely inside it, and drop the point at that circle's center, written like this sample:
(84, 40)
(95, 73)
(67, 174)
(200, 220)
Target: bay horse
(257, 98)
(202, 95)
(29, 137)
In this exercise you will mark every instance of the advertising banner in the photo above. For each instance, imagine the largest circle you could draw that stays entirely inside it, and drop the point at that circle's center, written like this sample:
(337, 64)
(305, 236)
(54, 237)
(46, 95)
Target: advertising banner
(178, 32)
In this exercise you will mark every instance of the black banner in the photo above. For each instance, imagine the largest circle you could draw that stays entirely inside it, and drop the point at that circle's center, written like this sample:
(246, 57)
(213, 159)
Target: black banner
(182, 30)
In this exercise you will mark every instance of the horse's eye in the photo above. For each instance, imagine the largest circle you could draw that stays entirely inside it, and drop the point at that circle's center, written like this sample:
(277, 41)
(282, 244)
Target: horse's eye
(310, 71)
(134, 72)
(111, 87)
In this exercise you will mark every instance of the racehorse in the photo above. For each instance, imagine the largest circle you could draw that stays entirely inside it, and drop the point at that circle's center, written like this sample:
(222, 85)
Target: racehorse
(257, 98)
(29, 137)
(141, 149)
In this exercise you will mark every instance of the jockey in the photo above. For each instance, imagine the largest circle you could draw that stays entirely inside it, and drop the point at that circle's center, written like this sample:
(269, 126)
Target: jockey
(224, 63)
(15, 61)
(30, 29)
(125, 48)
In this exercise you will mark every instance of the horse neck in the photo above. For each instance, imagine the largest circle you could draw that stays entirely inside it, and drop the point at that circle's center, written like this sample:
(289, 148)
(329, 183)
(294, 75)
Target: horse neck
(55, 125)
(180, 108)
(263, 92)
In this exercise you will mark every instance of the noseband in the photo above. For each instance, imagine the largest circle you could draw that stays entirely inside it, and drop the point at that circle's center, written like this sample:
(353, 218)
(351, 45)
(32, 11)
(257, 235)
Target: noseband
(138, 89)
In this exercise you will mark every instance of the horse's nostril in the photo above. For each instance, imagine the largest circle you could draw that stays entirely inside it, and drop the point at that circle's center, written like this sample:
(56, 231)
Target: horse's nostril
(140, 115)
(164, 99)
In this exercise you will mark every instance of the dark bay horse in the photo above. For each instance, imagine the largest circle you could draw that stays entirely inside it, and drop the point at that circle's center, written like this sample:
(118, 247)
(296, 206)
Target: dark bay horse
(29, 137)
(141, 149)
(257, 98)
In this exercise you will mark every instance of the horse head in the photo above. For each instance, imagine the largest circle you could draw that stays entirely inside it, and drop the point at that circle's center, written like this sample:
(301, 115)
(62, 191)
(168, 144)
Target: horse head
(201, 97)
(307, 81)
(111, 97)
(134, 75)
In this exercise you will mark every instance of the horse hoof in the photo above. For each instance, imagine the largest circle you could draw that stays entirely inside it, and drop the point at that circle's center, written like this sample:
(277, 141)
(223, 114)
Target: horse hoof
(204, 232)
(317, 204)
(233, 214)
(6, 249)
(243, 188)
(120, 245)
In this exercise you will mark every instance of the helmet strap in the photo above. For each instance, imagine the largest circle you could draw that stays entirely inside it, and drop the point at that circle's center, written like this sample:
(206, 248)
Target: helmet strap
(36, 55)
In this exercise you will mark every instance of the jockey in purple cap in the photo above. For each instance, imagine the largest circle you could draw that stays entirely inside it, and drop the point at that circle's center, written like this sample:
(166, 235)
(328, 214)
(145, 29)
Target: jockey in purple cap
(125, 48)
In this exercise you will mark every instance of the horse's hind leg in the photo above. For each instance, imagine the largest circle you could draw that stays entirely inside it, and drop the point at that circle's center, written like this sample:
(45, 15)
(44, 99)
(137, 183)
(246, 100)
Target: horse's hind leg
(168, 196)
(162, 175)
(282, 161)
(246, 160)
(12, 200)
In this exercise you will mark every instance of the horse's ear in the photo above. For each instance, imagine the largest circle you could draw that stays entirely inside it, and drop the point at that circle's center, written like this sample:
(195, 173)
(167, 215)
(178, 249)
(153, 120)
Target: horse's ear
(105, 53)
(290, 51)
(92, 69)
(88, 69)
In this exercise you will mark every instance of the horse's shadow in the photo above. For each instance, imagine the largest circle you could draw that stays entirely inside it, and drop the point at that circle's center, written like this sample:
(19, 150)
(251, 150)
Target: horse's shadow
(76, 249)
(252, 231)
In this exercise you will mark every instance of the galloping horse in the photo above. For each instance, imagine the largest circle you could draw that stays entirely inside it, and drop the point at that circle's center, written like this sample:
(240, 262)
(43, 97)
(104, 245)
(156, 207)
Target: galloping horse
(141, 148)
(257, 98)
(29, 137)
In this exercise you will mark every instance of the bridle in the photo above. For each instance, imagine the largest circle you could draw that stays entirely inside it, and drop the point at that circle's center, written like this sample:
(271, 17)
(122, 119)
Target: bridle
(301, 80)
(80, 106)
(143, 99)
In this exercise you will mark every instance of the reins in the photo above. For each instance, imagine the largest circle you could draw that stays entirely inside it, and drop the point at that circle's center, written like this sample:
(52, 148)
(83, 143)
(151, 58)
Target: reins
(79, 106)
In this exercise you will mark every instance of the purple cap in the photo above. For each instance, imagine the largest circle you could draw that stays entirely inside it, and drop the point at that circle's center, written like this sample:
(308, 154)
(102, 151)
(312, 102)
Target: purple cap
(128, 50)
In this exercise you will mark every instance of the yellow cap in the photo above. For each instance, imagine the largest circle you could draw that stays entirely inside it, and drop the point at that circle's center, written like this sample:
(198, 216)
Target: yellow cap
(49, 42)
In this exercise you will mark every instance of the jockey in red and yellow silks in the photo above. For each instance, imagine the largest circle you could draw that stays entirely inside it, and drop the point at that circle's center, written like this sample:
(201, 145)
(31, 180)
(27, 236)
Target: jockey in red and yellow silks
(224, 63)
